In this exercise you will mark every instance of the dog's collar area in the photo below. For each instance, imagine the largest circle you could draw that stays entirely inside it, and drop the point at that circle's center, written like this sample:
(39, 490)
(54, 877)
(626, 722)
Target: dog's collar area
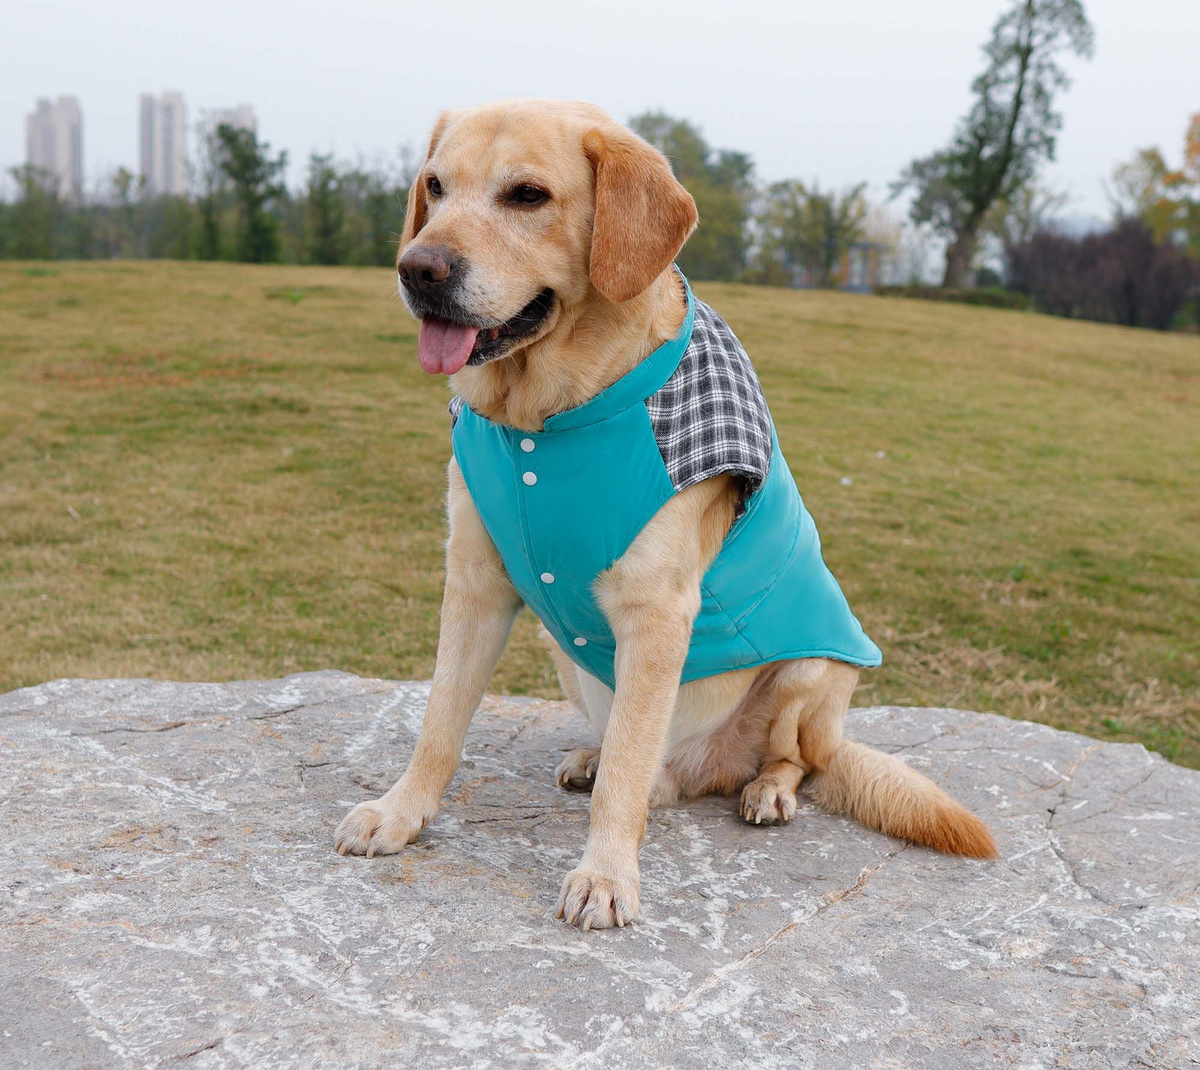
(632, 388)
(635, 386)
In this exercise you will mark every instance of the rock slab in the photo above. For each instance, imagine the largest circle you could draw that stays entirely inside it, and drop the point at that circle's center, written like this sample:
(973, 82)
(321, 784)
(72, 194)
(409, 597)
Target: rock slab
(170, 897)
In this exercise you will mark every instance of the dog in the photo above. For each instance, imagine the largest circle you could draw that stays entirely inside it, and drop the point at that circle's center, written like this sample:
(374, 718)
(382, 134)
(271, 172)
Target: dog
(615, 467)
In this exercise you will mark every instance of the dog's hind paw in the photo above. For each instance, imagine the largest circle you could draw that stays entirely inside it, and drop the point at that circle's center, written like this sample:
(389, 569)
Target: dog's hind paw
(767, 802)
(577, 771)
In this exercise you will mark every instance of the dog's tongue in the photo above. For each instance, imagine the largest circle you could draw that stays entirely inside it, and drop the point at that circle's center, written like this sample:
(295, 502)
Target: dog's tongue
(444, 347)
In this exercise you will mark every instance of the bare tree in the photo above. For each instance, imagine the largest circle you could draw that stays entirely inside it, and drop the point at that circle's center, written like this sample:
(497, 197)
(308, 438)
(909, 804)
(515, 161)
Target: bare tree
(1013, 220)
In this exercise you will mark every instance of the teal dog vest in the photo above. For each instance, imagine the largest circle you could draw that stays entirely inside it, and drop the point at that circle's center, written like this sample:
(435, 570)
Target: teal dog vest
(563, 504)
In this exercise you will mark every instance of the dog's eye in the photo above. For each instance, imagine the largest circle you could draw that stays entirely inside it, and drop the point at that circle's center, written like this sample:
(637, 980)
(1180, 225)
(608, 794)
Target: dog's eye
(434, 186)
(528, 195)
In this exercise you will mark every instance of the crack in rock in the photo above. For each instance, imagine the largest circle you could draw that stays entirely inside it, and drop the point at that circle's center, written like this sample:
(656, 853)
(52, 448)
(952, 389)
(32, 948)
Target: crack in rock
(830, 898)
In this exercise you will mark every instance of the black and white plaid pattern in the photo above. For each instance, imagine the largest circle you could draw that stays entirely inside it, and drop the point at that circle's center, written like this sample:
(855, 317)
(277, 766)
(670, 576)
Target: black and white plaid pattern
(711, 417)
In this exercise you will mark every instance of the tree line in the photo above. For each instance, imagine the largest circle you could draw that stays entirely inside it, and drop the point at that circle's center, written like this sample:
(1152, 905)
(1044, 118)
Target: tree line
(981, 196)
(786, 233)
(239, 209)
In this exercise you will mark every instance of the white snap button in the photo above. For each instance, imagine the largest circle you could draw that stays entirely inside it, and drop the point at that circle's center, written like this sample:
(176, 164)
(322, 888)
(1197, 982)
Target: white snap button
(527, 445)
(580, 641)
(547, 577)
(529, 478)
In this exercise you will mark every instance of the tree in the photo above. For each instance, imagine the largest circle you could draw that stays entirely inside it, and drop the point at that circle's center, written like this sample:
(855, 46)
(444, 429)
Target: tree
(805, 232)
(1167, 200)
(32, 221)
(1138, 185)
(210, 178)
(1008, 133)
(1187, 181)
(257, 185)
(720, 181)
(1014, 220)
(375, 199)
(170, 227)
(325, 213)
(125, 187)
(1120, 276)
(1049, 269)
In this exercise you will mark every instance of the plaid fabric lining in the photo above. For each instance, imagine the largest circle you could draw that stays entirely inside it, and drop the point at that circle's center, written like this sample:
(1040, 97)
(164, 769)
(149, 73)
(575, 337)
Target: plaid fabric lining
(711, 417)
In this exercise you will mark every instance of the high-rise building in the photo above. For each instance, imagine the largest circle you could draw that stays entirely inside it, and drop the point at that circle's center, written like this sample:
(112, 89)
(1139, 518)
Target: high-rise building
(162, 143)
(54, 143)
(212, 154)
(240, 118)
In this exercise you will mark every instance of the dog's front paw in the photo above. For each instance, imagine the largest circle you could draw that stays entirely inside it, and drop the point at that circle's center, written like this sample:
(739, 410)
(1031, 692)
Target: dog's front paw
(767, 802)
(594, 900)
(379, 827)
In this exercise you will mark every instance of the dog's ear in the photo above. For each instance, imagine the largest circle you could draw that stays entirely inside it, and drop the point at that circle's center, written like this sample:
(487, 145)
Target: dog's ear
(643, 215)
(414, 210)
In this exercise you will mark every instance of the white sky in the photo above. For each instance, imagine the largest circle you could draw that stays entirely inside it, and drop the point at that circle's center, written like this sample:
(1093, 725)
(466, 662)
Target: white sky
(840, 92)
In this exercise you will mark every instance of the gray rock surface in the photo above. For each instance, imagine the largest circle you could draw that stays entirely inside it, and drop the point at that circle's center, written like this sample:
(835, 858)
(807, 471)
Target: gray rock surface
(171, 898)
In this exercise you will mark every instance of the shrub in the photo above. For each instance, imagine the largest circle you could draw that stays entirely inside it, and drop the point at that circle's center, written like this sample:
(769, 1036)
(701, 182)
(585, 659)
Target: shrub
(1120, 276)
(988, 297)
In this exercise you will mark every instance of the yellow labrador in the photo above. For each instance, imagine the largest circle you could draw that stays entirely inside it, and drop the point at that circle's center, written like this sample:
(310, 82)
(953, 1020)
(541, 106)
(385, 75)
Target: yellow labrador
(537, 250)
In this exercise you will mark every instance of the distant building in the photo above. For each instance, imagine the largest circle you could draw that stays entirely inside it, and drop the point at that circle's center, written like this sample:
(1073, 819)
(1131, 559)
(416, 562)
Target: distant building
(240, 118)
(54, 143)
(162, 143)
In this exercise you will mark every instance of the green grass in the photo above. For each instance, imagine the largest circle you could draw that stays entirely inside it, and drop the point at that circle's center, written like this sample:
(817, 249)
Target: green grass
(215, 471)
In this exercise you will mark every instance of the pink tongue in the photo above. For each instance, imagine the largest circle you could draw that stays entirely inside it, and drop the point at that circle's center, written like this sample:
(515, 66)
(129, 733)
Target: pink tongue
(444, 347)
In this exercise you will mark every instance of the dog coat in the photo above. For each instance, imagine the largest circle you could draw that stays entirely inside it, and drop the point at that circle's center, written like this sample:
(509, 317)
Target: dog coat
(563, 504)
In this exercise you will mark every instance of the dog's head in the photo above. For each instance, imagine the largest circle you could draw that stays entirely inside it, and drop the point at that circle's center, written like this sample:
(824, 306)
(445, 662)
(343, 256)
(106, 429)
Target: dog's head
(521, 212)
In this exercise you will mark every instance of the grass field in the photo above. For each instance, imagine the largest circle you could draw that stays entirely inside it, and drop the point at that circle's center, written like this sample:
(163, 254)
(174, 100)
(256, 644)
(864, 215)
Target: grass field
(216, 471)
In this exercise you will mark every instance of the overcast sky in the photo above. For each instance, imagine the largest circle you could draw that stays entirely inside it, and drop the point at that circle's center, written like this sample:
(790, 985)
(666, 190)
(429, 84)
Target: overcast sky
(840, 92)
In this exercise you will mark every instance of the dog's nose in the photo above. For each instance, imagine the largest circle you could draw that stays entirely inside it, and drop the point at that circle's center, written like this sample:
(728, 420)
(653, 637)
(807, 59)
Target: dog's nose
(425, 266)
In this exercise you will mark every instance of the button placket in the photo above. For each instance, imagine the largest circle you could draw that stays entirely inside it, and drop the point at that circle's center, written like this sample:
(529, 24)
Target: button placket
(529, 478)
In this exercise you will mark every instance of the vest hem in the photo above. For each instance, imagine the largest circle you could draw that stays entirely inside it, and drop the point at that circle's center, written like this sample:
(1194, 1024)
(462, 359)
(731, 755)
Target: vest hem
(788, 655)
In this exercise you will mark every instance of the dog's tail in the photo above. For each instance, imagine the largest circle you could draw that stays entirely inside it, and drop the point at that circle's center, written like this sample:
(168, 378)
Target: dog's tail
(883, 793)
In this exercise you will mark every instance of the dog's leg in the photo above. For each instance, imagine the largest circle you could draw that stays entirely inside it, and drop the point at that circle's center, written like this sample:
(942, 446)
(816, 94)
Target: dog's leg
(650, 597)
(577, 771)
(478, 607)
(652, 632)
(797, 689)
(564, 667)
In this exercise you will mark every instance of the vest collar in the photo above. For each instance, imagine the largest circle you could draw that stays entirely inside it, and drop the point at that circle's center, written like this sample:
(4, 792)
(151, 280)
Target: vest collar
(636, 385)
